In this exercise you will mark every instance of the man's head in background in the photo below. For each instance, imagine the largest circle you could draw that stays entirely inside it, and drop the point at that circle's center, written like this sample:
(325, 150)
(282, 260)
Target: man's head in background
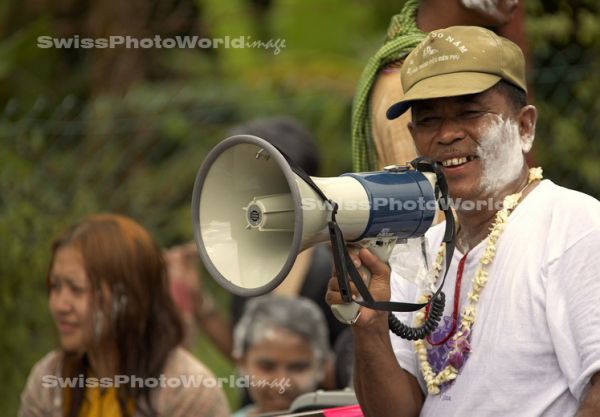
(491, 13)
(289, 136)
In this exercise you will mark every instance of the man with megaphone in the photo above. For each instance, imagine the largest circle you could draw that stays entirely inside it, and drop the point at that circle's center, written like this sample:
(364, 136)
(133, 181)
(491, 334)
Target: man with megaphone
(520, 334)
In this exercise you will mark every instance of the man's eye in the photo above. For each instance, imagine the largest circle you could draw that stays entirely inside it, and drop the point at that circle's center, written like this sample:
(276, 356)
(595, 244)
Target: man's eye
(472, 114)
(428, 121)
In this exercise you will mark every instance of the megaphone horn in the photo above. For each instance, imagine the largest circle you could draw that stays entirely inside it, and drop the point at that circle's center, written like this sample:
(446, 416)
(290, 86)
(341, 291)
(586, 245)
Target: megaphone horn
(252, 213)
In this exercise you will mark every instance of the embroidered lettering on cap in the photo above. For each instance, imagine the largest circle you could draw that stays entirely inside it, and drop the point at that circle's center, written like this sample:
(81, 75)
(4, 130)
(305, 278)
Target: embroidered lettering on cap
(428, 51)
(457, 43)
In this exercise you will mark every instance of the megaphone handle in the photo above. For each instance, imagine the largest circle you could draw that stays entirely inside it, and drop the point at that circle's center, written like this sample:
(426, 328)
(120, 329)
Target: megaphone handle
(348, 313)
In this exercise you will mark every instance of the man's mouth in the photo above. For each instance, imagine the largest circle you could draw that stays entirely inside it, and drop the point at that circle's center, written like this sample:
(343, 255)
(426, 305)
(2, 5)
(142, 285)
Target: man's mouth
(455, 162)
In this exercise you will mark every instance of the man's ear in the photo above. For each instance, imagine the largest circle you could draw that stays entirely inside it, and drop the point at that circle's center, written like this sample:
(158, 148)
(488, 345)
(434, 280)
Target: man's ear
(527, 119)
(411, 128)
(411, 124)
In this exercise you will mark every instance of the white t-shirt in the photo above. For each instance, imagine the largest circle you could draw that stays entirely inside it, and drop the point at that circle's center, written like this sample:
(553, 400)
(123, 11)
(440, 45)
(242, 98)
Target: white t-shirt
(536, 337)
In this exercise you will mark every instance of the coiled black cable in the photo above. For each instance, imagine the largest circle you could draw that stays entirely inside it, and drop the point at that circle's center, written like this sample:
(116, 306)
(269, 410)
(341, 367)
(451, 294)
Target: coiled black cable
(431, 322)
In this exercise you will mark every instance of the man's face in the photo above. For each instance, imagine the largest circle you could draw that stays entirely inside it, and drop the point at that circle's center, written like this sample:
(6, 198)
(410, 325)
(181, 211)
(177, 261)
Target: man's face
(492, 12)
(476, 138)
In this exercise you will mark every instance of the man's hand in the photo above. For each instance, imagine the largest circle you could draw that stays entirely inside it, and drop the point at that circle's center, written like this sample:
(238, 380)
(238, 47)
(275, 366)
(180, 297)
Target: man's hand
(375, 364)
(590, 406)
(379, 287)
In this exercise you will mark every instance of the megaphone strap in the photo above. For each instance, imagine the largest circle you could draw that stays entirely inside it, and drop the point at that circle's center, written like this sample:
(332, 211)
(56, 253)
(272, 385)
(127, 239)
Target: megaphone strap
(305, 177)
(347, 268)
(437, 300)
(421, 164)
(340, 252)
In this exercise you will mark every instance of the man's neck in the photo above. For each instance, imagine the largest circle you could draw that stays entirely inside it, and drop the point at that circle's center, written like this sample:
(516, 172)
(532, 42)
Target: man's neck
(473, 228)
(475, 224)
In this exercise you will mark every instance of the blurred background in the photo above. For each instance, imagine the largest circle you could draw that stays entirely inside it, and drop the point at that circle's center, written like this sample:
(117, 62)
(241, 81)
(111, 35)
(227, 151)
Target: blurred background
(125, 130)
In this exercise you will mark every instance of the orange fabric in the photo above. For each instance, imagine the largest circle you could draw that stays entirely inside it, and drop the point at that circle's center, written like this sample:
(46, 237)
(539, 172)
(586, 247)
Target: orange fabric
(98, 402)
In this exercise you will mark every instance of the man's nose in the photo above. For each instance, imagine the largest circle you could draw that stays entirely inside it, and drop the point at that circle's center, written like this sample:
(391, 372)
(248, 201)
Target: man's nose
(450, 130)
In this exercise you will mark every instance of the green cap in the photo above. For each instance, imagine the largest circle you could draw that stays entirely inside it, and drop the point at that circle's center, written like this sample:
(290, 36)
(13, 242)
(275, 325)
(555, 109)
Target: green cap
(456, 61)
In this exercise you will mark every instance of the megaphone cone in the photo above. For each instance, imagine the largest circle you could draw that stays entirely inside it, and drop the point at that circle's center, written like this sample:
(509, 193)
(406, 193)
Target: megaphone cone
(227, 215)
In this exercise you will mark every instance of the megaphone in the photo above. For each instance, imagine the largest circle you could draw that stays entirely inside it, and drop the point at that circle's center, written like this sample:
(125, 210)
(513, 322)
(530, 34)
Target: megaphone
(254, 212)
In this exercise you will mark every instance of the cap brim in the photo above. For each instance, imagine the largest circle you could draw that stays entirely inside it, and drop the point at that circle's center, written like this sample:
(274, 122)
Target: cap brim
(445, 85)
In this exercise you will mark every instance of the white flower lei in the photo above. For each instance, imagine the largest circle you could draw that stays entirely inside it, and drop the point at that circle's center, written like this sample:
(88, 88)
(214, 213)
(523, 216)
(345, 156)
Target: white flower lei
(449, 373)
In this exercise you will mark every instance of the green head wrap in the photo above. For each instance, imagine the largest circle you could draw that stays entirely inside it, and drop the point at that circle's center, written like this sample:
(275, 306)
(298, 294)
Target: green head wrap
(402, 37)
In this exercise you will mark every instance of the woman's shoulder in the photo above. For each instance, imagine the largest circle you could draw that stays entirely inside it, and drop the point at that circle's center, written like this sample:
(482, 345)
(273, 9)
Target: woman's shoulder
(41, 395)
(182, 362)
(49, 365)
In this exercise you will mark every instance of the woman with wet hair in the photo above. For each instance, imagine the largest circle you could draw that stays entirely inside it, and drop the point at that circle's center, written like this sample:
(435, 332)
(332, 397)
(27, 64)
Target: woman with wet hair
(119, 331)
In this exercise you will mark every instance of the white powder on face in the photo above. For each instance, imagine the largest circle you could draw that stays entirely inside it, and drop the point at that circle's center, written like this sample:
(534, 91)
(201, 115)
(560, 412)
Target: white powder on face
(501, 154)
(488, 7)
(527, 142)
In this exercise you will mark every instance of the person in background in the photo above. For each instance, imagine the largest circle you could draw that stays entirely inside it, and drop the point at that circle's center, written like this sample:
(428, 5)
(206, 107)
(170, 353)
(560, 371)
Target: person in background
(376, 142)
(196, 306)
(119, 331)
(283, 343)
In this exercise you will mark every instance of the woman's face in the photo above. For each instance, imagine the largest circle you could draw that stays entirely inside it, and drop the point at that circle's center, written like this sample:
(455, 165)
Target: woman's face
(282, 362)
(70, 300)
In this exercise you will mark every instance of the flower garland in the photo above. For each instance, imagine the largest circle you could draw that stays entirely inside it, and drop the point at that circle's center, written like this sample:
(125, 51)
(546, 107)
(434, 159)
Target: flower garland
(460, 341)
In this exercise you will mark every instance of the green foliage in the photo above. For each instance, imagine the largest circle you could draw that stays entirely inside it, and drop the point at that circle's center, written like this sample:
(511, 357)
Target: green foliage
(565, 55)
(137, 155)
